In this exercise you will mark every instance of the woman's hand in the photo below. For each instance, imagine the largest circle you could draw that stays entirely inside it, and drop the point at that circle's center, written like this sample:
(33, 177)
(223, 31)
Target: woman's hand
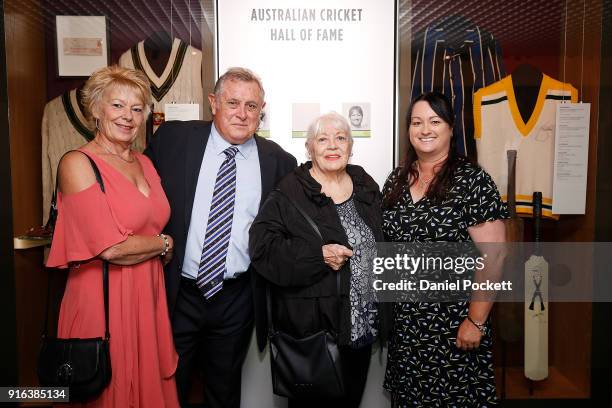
(336, 255)
(468, 336)
(170, 252)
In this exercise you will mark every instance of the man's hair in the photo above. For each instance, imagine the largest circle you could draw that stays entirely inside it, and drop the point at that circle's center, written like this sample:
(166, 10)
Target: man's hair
(238, 74)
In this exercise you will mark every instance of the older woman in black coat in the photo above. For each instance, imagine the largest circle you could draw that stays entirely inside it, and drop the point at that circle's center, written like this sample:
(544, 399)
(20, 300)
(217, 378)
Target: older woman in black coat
(344, 203)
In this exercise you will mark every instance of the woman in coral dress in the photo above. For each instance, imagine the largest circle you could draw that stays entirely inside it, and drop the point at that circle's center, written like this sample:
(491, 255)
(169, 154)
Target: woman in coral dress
(121, 225)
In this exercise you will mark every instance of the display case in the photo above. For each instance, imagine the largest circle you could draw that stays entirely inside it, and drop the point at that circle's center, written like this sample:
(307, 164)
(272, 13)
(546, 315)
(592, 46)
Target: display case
(476, 44)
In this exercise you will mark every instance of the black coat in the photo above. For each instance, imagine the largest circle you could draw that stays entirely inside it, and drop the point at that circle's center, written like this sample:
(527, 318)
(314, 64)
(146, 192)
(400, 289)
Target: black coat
(177, 150)
(286, 251)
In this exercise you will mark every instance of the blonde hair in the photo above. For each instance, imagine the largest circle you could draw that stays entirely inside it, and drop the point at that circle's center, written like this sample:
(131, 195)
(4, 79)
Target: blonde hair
(331, 118)
(114, 76)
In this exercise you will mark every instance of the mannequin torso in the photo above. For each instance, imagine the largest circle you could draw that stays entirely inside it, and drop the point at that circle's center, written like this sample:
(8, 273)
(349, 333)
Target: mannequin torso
(158, 47)
(526, 81)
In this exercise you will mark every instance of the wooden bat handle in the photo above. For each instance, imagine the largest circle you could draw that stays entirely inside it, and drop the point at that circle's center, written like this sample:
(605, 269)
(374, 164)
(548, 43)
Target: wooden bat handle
(511, 193)
(537, 216)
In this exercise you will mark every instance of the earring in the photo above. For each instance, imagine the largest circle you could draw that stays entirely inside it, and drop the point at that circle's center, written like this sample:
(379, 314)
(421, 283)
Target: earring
(97, 126)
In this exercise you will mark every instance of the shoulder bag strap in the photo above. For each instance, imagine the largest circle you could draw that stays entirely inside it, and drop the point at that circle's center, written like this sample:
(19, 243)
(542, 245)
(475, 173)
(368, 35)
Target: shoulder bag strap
(51, 222)
(316, 229)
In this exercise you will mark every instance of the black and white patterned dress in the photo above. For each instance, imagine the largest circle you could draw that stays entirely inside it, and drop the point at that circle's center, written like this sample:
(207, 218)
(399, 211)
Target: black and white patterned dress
(424, 367)
(362, 295)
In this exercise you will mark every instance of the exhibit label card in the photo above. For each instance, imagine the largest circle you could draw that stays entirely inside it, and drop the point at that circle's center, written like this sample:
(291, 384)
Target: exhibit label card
(182, 111)
(571, 158)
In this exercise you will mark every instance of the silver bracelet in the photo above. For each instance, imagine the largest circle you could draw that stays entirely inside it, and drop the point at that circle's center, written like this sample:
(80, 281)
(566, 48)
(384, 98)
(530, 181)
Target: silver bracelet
(482, 328)
(166, 244)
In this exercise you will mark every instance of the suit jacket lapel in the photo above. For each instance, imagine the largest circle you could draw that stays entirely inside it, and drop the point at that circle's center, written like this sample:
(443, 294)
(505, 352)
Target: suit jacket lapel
(267, 167)
(194, 155)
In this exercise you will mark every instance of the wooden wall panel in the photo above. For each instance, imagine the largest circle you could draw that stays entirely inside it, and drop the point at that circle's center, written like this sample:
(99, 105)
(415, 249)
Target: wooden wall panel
(571, 354)
(602, 330)
(26, 74)
(8, 340)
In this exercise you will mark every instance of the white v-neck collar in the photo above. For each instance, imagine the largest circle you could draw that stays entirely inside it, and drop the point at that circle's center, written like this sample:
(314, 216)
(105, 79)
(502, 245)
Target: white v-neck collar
(158, 81)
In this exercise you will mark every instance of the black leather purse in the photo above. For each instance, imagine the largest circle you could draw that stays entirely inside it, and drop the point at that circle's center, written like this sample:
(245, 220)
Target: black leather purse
(305, 367)
(83, 365)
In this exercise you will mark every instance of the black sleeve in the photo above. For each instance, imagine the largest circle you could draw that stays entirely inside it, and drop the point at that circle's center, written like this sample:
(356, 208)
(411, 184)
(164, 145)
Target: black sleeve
(154, 148)
(282, 249)
(288, 165)
(291, 164)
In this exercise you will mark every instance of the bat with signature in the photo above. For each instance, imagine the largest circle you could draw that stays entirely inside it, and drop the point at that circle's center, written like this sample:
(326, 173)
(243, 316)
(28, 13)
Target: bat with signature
(536, 304)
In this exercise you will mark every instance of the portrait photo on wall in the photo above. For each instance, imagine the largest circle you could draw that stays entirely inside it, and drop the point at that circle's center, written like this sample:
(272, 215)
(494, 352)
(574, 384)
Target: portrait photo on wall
(302, 114)
(264, 123)
(358, 115)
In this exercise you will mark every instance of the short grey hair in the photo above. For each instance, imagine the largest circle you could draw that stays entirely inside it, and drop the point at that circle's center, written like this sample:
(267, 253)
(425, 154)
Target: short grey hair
(238, 74)
(331, 118)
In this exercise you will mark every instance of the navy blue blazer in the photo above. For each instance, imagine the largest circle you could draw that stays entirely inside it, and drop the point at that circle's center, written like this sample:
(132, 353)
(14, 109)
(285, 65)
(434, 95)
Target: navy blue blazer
(177, 150)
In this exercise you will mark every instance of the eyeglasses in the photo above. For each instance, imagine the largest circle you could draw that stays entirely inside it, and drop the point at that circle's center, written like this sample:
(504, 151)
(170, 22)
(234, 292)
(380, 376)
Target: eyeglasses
(234, 104)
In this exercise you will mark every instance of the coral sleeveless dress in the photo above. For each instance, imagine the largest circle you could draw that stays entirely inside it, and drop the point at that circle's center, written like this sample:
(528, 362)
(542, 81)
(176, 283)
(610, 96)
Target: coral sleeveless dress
(142, 351)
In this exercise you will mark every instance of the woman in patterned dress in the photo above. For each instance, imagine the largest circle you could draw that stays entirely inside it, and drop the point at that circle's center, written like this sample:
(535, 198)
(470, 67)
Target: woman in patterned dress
(344, 203)
(440, 353)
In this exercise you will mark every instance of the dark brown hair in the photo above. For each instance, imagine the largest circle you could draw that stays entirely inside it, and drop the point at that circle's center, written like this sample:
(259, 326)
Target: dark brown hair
(442, 182)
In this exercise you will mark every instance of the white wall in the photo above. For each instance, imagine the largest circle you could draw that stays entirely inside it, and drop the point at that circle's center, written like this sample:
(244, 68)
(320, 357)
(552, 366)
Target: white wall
(357, 66)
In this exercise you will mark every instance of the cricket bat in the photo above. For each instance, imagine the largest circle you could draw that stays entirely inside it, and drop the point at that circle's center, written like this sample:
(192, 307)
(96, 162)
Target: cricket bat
(536, 304)
(510, 326)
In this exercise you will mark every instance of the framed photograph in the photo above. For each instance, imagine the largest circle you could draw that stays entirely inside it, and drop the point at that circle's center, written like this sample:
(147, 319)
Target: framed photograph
(81, 45)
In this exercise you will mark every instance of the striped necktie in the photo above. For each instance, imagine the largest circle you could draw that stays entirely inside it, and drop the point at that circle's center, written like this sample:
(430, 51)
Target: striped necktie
(219, 228)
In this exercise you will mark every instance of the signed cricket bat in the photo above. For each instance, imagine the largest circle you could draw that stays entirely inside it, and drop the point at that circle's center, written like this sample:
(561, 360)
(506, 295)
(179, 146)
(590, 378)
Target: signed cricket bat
(536, 304)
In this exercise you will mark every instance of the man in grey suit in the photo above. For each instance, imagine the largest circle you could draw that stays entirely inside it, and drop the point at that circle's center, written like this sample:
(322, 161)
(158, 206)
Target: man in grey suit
(216, 175)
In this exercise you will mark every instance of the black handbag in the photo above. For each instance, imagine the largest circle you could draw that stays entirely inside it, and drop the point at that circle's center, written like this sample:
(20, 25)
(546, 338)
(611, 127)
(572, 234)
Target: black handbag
(306, 367)
(83, 365)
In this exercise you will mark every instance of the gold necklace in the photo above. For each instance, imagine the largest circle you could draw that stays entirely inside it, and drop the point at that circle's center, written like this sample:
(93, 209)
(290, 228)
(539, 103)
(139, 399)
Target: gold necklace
(422, 180)
(113, 153)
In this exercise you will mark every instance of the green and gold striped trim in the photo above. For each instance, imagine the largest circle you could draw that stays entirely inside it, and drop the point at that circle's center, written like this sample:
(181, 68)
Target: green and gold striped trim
(160, 92)
(74, 119)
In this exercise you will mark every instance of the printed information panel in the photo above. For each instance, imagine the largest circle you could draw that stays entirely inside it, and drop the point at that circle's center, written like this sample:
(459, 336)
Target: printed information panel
(313, 57)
